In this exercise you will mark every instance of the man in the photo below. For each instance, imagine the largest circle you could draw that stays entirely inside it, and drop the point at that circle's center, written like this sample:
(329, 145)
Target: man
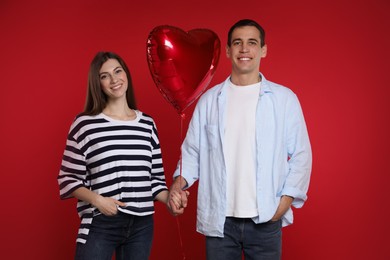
(248, 146)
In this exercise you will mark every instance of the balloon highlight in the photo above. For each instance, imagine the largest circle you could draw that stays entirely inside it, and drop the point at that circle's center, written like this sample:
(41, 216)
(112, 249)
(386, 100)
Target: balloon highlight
(181, 63)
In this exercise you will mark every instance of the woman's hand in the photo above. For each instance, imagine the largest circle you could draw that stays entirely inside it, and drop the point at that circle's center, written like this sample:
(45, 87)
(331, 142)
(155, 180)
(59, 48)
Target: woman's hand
(108, 206)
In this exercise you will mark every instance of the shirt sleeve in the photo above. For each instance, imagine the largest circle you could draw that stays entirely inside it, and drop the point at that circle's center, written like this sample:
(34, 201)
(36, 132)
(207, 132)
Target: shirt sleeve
(157, 173)
(299, 154)
(73, 170)
(190, 149)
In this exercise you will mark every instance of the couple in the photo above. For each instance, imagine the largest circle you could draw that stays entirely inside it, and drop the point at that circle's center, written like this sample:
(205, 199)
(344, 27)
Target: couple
(247, 145)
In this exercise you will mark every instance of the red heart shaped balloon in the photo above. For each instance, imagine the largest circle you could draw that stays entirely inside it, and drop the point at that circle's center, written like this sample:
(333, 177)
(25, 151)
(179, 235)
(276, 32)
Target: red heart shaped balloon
(181, 63)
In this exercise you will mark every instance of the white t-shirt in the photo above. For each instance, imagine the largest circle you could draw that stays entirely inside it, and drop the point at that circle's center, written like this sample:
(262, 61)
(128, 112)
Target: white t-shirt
(240, 152)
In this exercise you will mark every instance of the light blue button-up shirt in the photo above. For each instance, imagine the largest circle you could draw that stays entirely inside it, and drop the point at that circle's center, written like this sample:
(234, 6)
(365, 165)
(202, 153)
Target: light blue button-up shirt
(283, 155)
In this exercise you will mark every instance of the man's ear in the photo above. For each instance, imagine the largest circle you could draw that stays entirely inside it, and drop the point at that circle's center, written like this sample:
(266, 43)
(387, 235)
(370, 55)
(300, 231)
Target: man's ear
(227, 51)
(264, 51)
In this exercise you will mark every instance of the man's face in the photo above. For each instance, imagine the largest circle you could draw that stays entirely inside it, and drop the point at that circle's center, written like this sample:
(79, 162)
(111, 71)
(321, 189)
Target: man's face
(245, 51)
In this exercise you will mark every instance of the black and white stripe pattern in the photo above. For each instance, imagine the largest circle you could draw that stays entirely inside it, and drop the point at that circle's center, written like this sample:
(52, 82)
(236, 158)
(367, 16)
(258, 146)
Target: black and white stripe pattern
(118, 159)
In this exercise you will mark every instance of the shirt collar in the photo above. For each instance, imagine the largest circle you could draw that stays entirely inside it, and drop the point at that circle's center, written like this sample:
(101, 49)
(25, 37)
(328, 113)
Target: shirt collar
(265, 86)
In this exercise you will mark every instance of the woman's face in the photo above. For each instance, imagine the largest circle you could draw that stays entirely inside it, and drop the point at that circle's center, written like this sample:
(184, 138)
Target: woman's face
(113, 79)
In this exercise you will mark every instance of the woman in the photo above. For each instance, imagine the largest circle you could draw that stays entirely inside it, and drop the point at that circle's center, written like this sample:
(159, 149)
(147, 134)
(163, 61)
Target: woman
(112, 164)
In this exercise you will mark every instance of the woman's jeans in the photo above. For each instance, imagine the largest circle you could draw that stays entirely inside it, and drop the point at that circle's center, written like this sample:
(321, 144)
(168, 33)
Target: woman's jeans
(129, 236)
(243, 236)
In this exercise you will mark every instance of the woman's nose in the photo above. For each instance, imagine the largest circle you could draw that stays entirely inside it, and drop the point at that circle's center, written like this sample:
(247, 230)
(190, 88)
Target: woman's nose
(113, 78)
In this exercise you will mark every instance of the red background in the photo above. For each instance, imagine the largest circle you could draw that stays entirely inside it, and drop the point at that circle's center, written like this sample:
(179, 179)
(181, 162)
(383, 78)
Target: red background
(333, 54)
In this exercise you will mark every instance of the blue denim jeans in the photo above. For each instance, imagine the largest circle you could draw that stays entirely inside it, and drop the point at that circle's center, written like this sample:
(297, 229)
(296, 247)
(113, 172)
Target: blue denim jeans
(129, 236)
(243, 237)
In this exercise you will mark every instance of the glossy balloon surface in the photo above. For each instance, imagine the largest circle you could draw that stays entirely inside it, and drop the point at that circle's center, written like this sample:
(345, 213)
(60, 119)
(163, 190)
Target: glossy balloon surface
(181, 63)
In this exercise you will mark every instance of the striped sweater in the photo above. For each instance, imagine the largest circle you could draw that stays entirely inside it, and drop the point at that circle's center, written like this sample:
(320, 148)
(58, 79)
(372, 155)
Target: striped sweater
(118, 159)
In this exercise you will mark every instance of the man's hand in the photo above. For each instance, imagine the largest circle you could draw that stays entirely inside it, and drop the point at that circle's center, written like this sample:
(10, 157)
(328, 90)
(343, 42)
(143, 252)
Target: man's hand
(284, 205)
(177, 201)
(178, 198)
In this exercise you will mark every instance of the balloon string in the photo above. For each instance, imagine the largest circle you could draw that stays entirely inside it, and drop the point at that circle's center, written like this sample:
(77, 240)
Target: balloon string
(180, 239)
(182, 116)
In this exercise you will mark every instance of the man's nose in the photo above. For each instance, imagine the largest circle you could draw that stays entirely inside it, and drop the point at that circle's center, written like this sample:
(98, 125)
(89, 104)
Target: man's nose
(244, 47)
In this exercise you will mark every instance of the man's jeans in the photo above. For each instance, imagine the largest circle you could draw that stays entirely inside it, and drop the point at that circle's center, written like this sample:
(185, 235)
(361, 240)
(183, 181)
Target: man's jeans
(130, 237)
(242, 236)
